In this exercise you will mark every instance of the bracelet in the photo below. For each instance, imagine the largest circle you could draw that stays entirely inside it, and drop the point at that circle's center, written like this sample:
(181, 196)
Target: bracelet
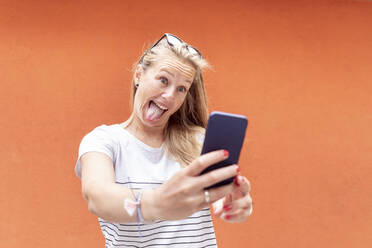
(131, 206)
(138, 203)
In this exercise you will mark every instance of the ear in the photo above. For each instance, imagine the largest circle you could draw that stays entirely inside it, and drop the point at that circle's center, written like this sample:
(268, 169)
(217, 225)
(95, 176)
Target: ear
(138, 73)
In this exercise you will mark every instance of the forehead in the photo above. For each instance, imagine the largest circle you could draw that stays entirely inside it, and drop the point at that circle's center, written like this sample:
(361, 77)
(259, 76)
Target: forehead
(175, 66)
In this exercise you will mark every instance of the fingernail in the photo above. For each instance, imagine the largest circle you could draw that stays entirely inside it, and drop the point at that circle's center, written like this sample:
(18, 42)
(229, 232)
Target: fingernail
(236, 181)
(237, 169)
(227, 207)
(227, 216)
(225, 153)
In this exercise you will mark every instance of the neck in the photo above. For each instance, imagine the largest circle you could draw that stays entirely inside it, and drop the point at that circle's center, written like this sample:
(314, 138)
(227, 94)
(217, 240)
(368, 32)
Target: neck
(152, 136)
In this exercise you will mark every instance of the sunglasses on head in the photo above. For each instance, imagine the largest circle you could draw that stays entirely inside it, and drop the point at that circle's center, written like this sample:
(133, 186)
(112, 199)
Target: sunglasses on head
(175, 41)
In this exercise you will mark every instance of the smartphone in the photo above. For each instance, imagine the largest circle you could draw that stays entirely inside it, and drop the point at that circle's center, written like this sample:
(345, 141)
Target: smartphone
(224, 131)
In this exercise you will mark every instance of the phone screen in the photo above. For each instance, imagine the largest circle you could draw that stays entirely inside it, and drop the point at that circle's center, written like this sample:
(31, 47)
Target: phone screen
(224, 131)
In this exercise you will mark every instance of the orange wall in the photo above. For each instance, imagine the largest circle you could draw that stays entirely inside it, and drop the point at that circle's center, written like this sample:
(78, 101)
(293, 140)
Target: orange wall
(300, 70)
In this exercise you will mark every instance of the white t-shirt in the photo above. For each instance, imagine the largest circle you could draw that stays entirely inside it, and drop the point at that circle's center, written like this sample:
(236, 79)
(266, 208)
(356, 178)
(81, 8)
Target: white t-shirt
(140, 166)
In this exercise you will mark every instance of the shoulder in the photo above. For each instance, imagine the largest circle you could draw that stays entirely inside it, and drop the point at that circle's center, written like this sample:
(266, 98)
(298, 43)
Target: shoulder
(107, 134)
(104, 131)
(102, 139)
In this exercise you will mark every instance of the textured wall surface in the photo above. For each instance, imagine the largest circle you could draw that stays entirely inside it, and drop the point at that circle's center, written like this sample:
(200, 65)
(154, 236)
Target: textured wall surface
(300, 70)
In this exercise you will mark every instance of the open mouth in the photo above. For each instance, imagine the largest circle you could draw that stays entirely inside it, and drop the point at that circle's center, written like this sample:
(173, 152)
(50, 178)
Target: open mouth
(155, 111)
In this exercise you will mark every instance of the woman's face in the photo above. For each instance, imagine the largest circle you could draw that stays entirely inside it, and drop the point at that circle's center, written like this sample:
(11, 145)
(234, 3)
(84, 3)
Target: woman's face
(162, 89)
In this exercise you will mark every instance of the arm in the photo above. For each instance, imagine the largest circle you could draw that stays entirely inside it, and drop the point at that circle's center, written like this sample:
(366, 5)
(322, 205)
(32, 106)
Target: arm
(104, 197)
(178, 198)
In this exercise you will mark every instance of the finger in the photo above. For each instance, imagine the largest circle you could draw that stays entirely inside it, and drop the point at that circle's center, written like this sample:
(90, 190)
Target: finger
(218, 175)
(242, 203)
(205, 160)
(228, 199)
(242, 185)
(216, 193)
(240, 216)
(236, 194)
(218, 207)
(245, 183)
(237, 216)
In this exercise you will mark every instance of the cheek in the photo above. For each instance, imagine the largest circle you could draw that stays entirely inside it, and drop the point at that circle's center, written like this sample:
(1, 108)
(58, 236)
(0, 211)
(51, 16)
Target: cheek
(179, 103)
(150, 88)
(146, 91)
(140, 99)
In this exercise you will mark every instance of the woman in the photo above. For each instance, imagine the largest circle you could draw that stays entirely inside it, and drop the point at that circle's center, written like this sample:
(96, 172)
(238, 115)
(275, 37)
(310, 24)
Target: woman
(141, 178)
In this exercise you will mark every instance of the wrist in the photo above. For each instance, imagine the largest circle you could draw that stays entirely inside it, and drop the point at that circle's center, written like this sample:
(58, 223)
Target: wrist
(148, 206)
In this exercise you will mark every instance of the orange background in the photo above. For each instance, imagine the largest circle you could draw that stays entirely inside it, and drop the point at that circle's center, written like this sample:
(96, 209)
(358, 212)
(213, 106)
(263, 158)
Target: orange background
(300, 70)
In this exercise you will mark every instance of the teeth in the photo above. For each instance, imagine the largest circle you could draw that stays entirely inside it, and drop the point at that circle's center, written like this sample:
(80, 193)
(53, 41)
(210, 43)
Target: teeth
(161, 107)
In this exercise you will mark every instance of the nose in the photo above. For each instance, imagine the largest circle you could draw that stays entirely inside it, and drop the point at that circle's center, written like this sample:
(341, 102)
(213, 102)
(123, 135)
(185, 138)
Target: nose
(169, 93)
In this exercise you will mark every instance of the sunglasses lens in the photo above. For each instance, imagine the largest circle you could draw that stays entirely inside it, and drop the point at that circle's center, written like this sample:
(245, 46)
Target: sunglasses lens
(174, 41)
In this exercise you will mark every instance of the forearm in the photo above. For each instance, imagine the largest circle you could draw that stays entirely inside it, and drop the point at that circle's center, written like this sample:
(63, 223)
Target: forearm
(107, 202)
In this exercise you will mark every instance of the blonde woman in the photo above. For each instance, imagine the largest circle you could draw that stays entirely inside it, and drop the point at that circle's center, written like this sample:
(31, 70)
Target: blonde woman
(142, 177)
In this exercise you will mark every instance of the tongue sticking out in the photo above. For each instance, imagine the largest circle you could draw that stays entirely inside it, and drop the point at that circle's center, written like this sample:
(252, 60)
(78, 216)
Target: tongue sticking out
(153, 112)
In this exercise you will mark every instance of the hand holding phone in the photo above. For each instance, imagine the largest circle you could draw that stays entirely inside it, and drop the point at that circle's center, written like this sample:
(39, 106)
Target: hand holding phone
(224, 131)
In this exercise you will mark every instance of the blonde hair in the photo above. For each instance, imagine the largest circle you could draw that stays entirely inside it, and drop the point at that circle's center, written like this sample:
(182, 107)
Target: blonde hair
(186, 126)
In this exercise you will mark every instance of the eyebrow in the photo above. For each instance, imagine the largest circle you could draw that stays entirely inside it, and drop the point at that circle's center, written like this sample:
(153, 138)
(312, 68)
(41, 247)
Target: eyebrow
(165, 70)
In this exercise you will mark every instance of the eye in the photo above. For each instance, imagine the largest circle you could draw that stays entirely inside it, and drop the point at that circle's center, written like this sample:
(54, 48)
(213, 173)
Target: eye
(164, 80)
(182, 89)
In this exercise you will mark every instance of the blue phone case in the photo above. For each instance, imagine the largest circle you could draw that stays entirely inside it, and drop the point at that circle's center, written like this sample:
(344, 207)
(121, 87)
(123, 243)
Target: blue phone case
(224, 131)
